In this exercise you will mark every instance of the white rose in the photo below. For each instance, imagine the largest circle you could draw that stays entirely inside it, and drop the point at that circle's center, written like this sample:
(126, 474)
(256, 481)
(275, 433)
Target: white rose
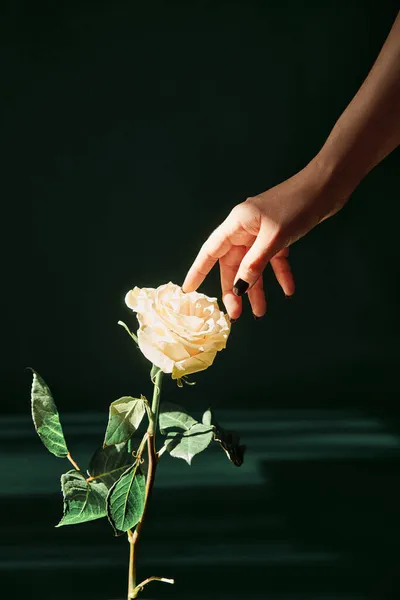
(179, 333)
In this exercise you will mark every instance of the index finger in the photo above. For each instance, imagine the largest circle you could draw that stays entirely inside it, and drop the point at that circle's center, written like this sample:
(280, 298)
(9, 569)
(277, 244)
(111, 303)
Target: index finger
(217, 245)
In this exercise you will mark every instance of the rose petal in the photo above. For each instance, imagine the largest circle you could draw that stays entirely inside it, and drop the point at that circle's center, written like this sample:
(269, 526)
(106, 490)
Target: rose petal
(180, 333)
(140, 300)
(194, 364)
(153, 354)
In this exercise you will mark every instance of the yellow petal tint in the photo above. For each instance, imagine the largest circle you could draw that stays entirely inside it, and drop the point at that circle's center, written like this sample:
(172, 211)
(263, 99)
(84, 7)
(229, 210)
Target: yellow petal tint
(180, 333)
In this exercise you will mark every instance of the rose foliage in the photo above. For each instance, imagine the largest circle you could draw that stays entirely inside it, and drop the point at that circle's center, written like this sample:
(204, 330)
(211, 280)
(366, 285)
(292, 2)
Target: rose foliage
(180, 334)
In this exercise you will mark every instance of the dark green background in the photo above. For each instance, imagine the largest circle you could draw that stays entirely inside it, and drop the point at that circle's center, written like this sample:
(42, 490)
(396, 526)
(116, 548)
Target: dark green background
(129, 131)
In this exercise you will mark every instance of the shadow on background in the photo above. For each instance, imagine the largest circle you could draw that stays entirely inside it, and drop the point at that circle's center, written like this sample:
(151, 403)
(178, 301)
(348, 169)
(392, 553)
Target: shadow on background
(313, 513)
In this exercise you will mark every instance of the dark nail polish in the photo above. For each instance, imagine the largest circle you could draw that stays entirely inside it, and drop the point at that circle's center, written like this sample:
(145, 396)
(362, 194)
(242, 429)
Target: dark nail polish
(288, 297)
(240, 287)
(233, 320)
(257, 318)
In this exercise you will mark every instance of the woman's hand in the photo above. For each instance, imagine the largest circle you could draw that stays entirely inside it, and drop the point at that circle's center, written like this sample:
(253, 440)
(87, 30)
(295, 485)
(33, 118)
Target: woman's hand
(260, 230)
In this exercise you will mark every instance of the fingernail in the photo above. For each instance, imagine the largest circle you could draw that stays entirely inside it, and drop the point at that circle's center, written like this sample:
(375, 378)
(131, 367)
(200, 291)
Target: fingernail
(240, 287)
(257, 318)
(232, 320)
(288, 297)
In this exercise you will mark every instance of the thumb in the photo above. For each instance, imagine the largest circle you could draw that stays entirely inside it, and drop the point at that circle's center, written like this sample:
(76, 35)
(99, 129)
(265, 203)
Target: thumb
(255, 260)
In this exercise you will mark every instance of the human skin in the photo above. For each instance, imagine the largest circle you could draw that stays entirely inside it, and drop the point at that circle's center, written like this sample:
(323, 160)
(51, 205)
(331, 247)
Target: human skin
(261, 229)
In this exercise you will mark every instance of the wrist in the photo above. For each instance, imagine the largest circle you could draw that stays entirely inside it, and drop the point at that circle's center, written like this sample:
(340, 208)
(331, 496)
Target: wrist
(333, 175)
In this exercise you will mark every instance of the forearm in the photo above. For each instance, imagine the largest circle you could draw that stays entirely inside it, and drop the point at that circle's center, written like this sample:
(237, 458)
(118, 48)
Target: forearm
(369, 128)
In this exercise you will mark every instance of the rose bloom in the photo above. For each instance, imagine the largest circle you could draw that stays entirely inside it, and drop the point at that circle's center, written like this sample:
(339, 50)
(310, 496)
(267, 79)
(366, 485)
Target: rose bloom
(179, 333)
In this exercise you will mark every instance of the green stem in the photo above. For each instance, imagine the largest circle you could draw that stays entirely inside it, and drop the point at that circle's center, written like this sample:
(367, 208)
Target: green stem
(73, 463)
(152, 456)
(132, 566)
(155, 405)
(131, 536)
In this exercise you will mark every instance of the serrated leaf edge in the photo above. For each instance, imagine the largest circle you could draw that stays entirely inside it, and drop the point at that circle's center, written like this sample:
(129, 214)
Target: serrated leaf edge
(118, 532)
(186, 434)
(40, 379)
(143, 399)
(65, 503)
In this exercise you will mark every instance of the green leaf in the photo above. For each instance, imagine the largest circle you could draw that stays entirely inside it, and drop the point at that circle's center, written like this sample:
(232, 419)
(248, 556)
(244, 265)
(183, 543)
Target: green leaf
(230, 443)
(108, 464)
(207, 417)
(125, 500)
(228, 440)
(83, 501)
(125, 416)
(185, 436)
(186, 445)
(46, 418)
(133, 336)
(174, 417)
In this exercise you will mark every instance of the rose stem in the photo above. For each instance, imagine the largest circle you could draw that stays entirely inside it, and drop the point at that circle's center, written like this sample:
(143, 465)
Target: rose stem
(73, 463)
(132, 566)
(149, 579)
(151, 471)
